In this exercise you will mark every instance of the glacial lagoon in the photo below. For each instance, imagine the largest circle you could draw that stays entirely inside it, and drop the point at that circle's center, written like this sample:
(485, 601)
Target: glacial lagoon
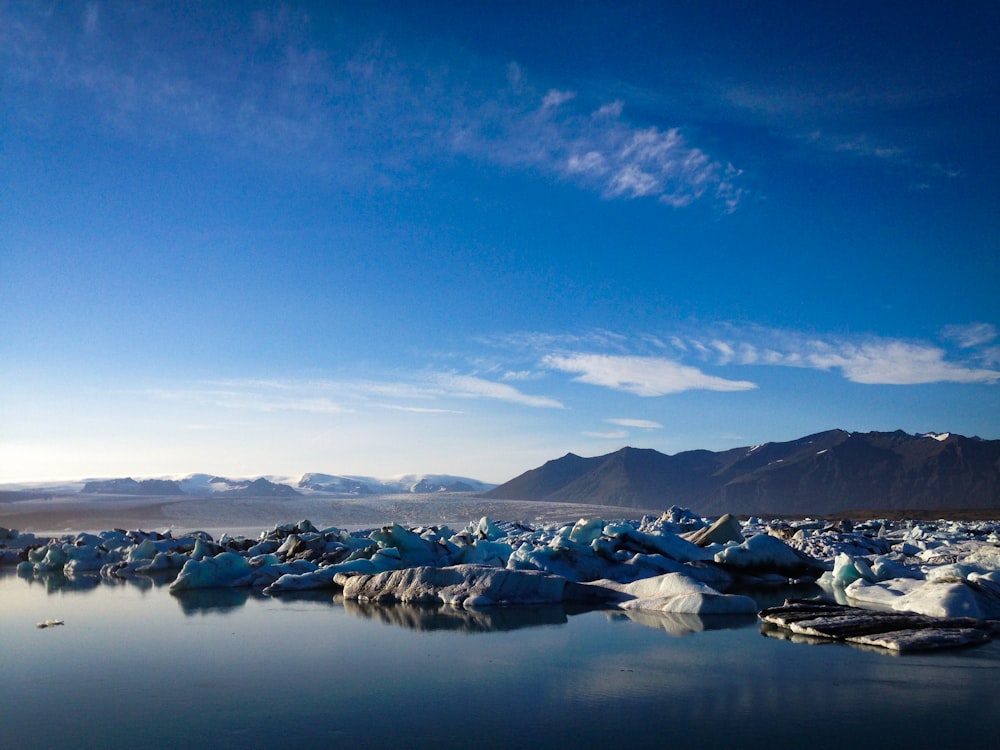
(133, 665)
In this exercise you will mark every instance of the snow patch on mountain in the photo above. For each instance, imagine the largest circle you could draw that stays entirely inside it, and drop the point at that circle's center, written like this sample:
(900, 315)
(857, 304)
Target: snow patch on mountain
(341, 484)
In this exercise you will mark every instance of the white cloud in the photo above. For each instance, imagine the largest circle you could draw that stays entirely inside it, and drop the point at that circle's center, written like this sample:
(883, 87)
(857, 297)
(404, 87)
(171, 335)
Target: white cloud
(639, 424)
(726, 352)
(597, 150)
(417, 409)
(970, 335)
(521, 375)
(613, 109)
(632, 182)
(643, 376)
(251, 397)
(468, 386)
(348, 110)
(592, 162)
(861, 359)
(612, 435)
(898, 363)
(555, 98)
(632, 363)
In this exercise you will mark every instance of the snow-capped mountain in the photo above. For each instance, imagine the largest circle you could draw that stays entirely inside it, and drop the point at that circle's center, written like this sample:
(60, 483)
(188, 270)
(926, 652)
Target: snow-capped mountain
(338, 484)
(212, 485)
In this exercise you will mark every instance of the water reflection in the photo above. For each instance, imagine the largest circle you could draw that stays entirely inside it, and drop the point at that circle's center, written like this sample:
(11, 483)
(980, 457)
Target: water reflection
(486, 620)
(774, 596)
(212, 601)
(677, 624)
(59, 581)
(772, 631)
(424, 618)
(55, 582)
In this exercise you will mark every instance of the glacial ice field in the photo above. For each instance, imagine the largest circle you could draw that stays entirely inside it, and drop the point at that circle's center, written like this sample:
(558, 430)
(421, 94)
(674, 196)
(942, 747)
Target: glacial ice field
(589, 633)
(676, 563)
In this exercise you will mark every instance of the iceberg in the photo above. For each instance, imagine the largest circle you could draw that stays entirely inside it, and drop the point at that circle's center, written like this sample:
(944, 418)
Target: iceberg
(225, 569)
(764, 552)
(466, 586)
(677, 564)
(679, 594)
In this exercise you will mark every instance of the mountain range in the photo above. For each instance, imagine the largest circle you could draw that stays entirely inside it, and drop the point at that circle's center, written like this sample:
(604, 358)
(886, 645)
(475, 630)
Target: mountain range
(822, 474)
(825, 473)
(209, 485)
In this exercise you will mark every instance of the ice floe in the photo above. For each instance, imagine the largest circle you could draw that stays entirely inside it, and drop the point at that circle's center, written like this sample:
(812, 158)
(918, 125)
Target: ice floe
(896, 631)
(676, 563)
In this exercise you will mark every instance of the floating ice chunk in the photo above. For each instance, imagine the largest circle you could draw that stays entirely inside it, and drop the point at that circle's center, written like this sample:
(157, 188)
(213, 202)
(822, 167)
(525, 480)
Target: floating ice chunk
(565, 558)
(203, 548)
(113, 539)
(162, 561)
(979, 599)
(320, 578)
(883, 594)
(266, 575)
(144, 550)
(264, 547)
(669, 545)
(458, 585)
(950, 572)
(485, 552)
(586, 532)
(725, 529)
(679, 594)
(676, 520)
(487, 529)
(413, 550)
(639, 565)
(51, 557)
(886, 568)
(259, 561)
(897, 631)
(765, 552)
(847, 570)
(212, 572)
(985, 558)
(937, 597)
(82, 558)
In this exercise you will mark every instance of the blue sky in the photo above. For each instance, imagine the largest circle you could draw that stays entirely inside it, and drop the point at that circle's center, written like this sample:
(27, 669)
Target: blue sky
(467, 238)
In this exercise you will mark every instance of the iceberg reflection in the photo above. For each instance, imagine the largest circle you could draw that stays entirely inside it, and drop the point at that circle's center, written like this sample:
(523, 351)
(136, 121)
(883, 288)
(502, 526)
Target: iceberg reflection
(456, 619)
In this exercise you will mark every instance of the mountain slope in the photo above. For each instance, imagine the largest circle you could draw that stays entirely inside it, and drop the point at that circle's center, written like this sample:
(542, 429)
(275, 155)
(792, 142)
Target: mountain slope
(822, 473)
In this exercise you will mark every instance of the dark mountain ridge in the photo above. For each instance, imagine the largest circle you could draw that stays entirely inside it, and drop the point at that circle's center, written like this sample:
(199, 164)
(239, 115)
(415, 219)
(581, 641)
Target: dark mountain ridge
(824, 473)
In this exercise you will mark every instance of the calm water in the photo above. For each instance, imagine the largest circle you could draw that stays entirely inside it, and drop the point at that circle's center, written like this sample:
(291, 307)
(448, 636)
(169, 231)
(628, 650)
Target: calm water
(135, 665)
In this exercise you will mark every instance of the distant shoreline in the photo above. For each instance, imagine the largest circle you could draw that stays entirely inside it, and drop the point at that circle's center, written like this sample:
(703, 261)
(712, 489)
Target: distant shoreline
(63, 513)
(60, 514)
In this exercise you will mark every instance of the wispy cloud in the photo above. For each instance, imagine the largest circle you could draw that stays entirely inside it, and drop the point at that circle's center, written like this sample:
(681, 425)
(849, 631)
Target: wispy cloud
(250, 397)
(643, 376)
(856, 122)
(865, 359)
(597, 148)
(671, 361)
(971, 334)
(611, 435)
(430, 390)
(639, 424)
(270, 90)
(468, 386)
(417, 409)
(897, 363)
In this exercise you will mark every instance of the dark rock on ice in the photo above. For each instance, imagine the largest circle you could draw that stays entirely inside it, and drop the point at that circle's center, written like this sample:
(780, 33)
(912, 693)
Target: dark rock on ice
(896, 631)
